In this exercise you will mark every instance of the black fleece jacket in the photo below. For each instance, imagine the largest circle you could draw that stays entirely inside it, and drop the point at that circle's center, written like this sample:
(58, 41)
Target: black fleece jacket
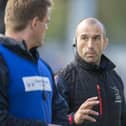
(80, 80)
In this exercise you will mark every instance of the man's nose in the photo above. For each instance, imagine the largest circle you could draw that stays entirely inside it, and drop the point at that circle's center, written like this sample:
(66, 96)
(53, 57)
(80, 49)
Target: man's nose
(46, 26)
(90, 43)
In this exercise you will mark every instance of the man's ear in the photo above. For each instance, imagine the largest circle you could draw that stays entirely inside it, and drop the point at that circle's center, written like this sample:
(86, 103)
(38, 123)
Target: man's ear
(34, 22)
(106, 42)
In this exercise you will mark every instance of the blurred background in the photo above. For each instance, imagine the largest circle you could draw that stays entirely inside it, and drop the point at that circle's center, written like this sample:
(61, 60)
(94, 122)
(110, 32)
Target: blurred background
(65, 16)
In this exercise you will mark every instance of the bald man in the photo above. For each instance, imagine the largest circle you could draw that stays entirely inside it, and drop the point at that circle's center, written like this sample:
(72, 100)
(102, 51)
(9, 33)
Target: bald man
(90, 85)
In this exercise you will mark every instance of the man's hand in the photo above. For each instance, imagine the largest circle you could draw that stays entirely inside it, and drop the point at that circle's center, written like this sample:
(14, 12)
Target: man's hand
(85, 112)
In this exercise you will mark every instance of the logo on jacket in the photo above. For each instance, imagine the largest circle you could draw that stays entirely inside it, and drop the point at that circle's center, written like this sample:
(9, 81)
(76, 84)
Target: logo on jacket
(116, 93)
(34, 83)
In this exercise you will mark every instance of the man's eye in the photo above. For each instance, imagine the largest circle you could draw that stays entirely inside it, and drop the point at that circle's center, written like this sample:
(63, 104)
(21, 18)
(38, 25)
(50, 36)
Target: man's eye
(96, 38)
(84, 38)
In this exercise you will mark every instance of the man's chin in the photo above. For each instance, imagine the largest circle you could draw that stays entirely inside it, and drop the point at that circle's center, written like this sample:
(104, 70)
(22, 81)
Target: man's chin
(91, 60)
(40, 44)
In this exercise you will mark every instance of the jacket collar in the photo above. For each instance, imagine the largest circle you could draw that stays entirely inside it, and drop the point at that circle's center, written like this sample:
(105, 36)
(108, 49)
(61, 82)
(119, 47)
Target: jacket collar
(105, 65)
(20, 48)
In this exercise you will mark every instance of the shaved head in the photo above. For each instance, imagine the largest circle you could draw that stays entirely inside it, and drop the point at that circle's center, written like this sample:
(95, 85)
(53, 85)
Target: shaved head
(91, 21)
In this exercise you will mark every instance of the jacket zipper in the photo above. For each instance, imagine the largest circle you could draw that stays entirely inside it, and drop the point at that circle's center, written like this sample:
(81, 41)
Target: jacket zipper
(100, 99)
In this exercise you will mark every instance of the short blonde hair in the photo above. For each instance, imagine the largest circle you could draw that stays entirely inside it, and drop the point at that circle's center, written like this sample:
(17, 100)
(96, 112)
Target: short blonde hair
(19, 12)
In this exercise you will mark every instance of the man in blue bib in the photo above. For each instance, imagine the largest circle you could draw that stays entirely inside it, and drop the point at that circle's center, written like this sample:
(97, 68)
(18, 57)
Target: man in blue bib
(28, 96)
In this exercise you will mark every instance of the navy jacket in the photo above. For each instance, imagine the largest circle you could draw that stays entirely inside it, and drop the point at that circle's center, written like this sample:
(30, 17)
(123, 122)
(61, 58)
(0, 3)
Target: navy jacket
(20, 104)
(79, 80)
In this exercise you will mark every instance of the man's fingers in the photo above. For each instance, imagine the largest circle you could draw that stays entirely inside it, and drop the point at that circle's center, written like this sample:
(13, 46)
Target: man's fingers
(88, 118)
(89, 112)
(85, 114)
(85, 111)
(89, 104)
(92, 98)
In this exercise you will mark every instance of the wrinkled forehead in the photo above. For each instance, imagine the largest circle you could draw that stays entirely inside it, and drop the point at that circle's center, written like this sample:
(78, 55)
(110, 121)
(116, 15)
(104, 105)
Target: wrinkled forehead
(89, 28)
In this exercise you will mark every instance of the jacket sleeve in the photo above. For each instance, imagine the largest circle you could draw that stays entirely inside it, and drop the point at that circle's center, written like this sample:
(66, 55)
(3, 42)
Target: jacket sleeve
(60, 109)
(5, 118)
(123, 112)
(62, 87)
(123, 116)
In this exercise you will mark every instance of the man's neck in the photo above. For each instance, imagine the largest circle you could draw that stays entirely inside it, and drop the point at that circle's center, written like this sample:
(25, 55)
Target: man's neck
(19, 37)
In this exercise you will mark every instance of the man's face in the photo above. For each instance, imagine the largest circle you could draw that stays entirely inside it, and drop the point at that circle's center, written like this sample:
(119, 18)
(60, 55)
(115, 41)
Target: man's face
(90, 42)
(41, 28)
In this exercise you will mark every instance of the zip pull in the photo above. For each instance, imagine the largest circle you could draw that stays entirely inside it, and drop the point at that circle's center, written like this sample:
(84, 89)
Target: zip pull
(43, 92)
(100, 99)
(44, 95)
